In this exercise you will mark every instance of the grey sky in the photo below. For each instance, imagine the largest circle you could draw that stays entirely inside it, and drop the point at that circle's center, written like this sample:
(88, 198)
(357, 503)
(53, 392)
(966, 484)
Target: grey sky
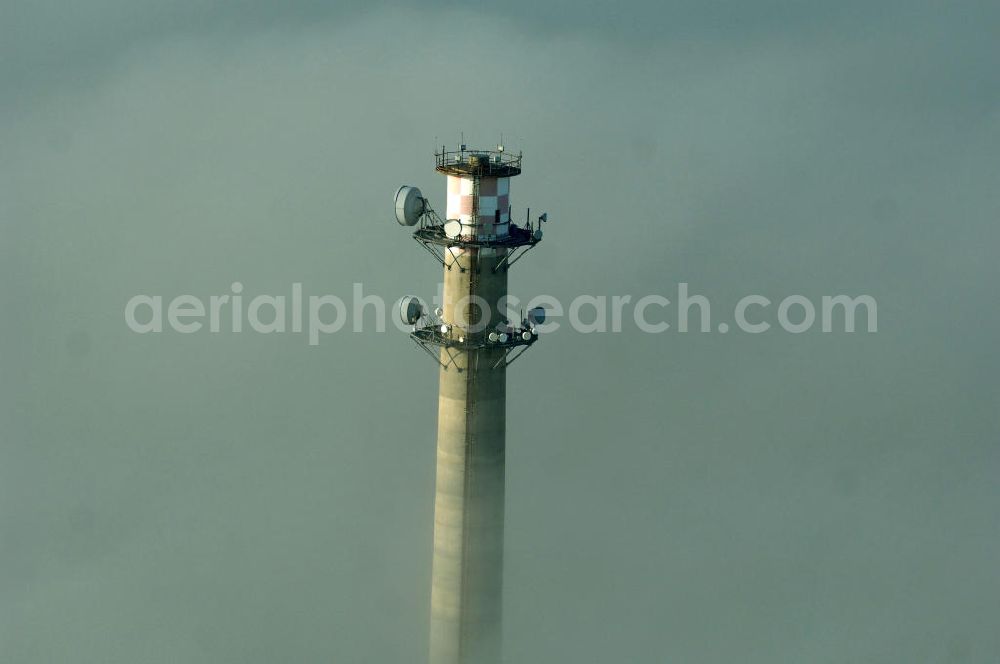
(672, 498)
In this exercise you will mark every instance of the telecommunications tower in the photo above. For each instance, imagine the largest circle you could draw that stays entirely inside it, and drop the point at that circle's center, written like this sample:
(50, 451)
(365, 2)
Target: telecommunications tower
(473, 341)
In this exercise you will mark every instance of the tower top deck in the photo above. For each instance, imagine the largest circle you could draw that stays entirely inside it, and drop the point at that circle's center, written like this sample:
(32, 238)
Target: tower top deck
(466, 162)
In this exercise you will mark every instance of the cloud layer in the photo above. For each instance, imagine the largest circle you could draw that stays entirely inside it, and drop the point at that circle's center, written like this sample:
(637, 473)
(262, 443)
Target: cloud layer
(690, 498)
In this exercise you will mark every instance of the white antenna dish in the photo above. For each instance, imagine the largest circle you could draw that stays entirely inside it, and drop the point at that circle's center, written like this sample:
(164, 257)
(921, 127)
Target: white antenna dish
(504, 337)
(536, 316)
(526, 335)
(493, 337)
(410, 310)
(410, 205)
(453, 228)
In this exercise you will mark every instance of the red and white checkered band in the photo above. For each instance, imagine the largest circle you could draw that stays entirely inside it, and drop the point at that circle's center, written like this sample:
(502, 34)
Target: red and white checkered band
(494, 194)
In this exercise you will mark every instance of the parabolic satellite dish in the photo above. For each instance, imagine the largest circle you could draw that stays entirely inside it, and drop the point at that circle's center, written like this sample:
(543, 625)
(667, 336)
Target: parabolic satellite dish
(453, 228)
(410, 309)
(409, 205)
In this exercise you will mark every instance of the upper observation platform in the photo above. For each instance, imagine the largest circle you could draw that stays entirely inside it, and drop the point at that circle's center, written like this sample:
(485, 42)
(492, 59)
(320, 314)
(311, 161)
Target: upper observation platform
(467, 162)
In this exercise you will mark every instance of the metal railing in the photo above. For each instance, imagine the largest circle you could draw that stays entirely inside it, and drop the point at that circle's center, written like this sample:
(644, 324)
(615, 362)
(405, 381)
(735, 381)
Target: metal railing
(483, 162)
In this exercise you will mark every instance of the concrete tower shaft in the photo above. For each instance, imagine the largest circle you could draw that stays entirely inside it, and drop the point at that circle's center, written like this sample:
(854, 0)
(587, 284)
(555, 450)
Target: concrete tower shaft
(467, 575)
